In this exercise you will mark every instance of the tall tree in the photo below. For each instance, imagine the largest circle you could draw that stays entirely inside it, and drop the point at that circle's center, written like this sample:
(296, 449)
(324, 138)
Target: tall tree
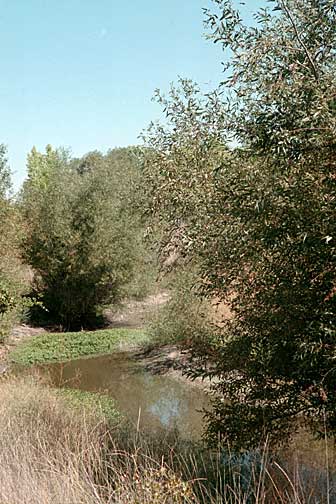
(80, 238)
(5, 183)
(264, 227)
(11, 283)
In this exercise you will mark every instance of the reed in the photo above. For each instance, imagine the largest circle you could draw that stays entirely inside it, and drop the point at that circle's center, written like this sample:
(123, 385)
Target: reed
(56, 454)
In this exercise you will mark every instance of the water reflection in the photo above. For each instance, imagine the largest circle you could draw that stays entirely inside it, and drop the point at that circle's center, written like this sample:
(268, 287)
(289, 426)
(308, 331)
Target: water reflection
(154, 401)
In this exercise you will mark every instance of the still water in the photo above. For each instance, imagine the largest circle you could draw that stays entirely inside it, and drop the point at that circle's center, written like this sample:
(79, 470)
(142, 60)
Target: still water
(152, 401)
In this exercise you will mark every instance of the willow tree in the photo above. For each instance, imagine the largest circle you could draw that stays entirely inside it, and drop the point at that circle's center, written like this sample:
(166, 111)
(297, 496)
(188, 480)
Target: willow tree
(259, 217)
(79, 235)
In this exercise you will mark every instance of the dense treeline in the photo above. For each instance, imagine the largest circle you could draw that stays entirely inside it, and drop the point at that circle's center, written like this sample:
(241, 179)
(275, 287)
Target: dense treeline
(72, 242)
(12, 278)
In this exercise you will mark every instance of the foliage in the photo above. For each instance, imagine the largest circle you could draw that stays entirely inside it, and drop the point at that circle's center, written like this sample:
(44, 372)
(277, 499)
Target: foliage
(185, 317)
(41, 166)
(5, 182)
(81, 238)
(100, 405)
(259, 216)
(11, 278)
(59, 347)
(124, 166)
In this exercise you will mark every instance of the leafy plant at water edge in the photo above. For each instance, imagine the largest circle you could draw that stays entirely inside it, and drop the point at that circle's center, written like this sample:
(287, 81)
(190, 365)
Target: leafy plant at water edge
(58, 347)
(259, 218)
(81, 237)
(100, 405)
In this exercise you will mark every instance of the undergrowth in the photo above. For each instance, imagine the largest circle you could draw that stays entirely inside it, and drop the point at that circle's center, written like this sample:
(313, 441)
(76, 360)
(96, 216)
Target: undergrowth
(101, 405)
(62, 455)
(59, 347)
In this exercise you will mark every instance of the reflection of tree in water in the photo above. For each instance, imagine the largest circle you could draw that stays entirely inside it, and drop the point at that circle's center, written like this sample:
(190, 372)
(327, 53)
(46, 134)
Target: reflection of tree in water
(167, 410)
(161, 402)
(170, 404)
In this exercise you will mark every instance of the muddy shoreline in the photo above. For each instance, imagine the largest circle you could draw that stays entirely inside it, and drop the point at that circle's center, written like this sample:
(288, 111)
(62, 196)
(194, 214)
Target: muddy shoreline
(166, 360)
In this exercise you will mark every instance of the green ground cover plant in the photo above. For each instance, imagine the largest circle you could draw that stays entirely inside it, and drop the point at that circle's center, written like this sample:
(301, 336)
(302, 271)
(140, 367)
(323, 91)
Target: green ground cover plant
(101, 405)
(59, 347)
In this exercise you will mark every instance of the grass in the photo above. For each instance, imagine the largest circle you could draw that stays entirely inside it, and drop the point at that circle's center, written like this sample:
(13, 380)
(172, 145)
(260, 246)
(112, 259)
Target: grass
(64, 455)
(102, 406)
(60, 347)
(47, 447)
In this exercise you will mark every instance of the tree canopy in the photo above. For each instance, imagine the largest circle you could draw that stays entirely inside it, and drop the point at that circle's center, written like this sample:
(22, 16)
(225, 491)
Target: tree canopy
(11, 281)
(80, 234)
(245, 178)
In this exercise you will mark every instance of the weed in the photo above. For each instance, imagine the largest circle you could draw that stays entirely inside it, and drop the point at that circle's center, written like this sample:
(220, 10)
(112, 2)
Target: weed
(59, 347)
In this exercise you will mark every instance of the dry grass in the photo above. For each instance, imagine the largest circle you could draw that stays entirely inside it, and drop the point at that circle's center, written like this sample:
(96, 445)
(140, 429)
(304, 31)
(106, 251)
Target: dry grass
(48, 455)
(52, 454)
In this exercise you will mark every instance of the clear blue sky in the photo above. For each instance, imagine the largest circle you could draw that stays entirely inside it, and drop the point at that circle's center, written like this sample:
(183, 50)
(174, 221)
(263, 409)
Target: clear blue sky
(81, 73)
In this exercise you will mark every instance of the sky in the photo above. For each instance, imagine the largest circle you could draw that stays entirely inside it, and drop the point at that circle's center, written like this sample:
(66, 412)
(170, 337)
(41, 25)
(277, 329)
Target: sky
(81, 73)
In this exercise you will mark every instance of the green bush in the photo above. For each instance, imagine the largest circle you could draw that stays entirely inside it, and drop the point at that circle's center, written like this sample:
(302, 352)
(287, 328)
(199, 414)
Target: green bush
(8, 303)
(246, 184)
(81, 237)
(185, 318)
(12, 282)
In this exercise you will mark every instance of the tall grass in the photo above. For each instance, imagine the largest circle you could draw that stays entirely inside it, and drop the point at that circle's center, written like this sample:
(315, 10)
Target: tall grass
(53, 454)
(48, 454)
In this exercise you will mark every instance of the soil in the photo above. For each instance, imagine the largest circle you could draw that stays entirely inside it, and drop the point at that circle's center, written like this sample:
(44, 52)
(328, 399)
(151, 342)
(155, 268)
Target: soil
(168, 360)
(18, 334)
(135, 314)
(131, 314)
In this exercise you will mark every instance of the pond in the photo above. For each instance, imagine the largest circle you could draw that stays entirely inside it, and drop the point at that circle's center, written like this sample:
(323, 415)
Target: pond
(151, 401)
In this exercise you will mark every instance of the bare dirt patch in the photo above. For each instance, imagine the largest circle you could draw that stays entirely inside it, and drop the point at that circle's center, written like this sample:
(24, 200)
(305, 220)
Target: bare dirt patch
(23, 331)
(135, 314)
(18, 334)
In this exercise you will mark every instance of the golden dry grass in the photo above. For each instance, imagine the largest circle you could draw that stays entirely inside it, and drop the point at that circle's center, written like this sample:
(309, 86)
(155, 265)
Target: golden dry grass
(52, 454)
(48, 454)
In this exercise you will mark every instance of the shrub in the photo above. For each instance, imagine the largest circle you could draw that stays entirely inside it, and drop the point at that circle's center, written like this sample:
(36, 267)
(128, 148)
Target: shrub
(185, 318)
(258, 217)
(12, 282)
(80, 239)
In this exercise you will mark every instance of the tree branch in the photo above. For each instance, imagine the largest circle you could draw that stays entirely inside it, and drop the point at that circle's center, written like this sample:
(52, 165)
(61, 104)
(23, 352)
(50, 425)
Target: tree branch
(298, 36)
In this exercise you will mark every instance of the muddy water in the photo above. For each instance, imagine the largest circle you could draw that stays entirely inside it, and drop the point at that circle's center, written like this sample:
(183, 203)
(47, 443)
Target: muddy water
(151, 400)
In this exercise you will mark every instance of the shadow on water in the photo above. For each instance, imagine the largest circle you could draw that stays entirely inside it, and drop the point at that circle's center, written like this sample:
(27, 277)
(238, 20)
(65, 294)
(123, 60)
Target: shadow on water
(152, 401)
